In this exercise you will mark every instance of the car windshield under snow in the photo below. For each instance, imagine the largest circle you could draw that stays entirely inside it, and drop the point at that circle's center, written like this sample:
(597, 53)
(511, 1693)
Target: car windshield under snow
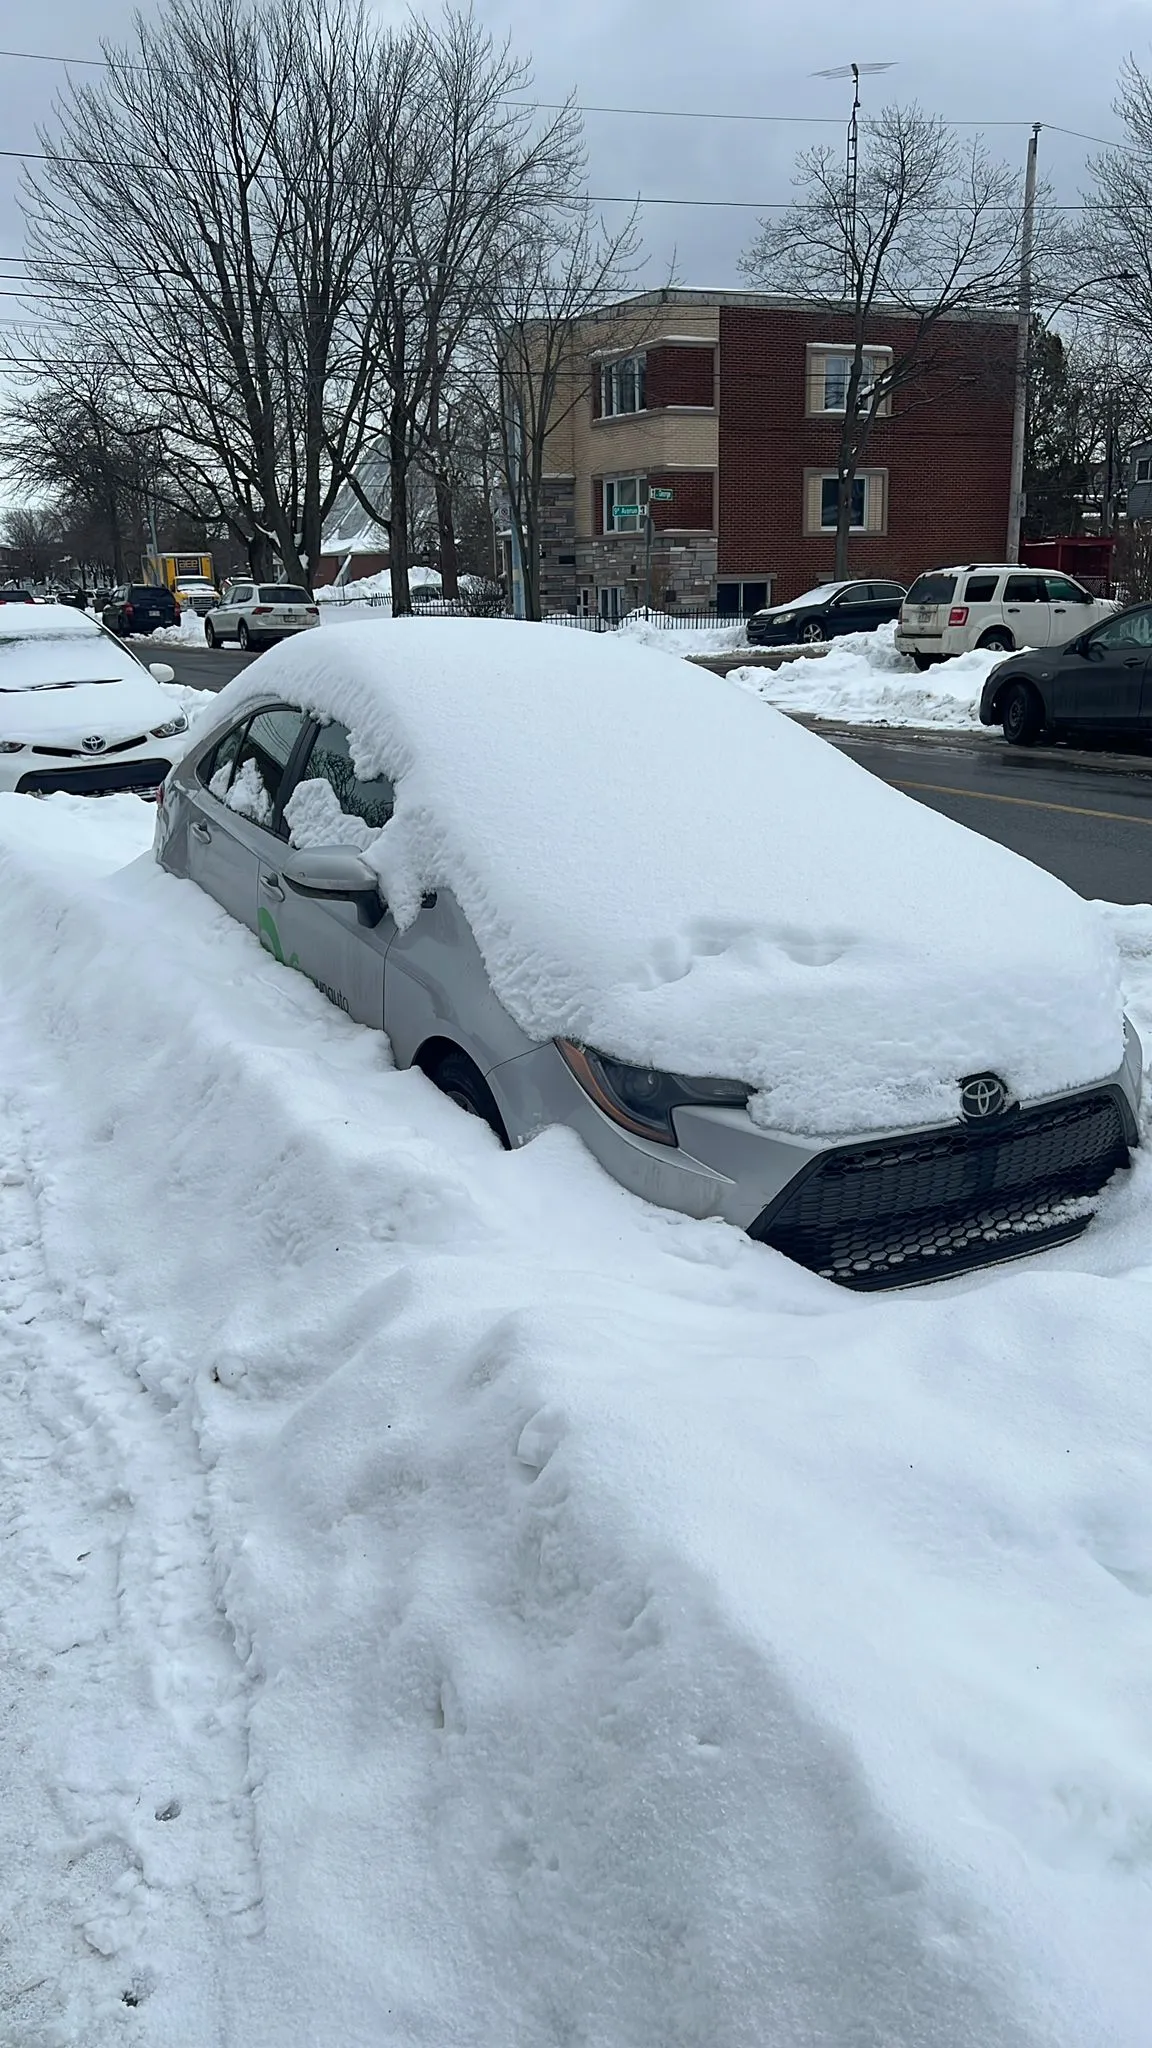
(59, 661)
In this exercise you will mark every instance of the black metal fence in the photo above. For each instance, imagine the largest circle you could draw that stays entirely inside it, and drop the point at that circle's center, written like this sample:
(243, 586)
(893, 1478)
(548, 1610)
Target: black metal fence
(481, 605)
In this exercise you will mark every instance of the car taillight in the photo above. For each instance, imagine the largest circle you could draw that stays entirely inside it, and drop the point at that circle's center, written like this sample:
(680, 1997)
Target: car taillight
(127, 610)
(258, 610)
(313, 611)
(958, 616)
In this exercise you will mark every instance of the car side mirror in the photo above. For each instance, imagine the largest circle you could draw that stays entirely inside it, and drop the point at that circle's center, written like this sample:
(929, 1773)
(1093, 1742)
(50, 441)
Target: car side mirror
(162, 672)
(338, 874)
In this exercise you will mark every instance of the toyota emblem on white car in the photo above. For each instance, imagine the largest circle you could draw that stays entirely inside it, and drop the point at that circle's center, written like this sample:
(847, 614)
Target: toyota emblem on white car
(982, 1096)
(94, 745)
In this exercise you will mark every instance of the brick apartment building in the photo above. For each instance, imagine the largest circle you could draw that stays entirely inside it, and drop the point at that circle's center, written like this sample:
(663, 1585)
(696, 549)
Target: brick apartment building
(730, 403)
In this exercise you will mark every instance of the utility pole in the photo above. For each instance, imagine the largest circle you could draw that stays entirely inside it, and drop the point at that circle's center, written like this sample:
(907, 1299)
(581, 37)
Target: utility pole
(1023, 341)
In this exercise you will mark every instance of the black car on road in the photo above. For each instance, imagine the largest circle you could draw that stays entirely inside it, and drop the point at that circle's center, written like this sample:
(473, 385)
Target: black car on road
(826, 612)
(140, 608)
(1099, 683)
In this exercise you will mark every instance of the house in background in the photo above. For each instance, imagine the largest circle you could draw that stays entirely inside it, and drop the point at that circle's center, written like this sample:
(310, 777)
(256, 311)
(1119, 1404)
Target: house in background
(718, 414)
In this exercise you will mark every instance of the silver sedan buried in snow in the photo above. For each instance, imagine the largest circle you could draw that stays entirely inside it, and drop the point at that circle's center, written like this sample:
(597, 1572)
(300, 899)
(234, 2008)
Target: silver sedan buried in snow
(758, 983)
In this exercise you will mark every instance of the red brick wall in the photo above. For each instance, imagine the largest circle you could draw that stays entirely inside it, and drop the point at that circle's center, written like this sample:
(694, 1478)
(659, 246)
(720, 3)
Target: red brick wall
(680, 376)
(328, 567)
(691, 506)
(946, 449)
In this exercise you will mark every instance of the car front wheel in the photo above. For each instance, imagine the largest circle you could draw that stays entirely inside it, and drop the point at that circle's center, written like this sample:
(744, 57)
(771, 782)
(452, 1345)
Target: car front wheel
(811, 633)
(209, 633)
(461, 1081)
(1021, 715)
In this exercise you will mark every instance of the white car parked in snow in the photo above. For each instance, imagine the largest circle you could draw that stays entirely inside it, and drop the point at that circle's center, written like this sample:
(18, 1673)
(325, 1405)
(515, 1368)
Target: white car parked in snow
(78, 711)
(759, 984)
(994, 605)
(258, 614)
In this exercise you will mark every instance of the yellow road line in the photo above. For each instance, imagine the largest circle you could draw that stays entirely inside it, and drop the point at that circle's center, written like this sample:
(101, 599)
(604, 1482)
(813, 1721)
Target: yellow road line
(1032, 803)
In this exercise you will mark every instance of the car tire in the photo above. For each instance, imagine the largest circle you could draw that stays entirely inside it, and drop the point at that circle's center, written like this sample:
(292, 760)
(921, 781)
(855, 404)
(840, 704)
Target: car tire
(998, 641)
(811, 634)
(1021, 715)
(924, 661)
(460, 1079)
(209, 633)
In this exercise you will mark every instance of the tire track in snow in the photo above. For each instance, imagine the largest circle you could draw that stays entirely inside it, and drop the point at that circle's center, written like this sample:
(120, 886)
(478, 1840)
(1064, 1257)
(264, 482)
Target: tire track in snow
(128, 1861)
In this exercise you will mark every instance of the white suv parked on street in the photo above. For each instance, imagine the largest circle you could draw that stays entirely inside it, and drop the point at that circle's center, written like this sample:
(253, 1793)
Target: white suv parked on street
(993, 605)
(257, 614)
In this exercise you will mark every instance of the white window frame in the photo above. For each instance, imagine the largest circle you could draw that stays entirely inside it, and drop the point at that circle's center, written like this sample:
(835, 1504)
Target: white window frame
(821, 355)
(875, 482)
(1143, 469)
(622, 380)
(612, 602)
(611, 495)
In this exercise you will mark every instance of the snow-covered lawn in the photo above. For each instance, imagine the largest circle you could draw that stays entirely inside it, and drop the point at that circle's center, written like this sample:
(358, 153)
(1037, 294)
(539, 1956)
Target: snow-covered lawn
(863, 681)
(447, 1601)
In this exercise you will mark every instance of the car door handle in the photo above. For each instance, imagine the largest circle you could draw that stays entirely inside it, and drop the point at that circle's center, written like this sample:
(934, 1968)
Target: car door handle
(271, 887)
(1012, 608)
(200, 831)
(1133, 661)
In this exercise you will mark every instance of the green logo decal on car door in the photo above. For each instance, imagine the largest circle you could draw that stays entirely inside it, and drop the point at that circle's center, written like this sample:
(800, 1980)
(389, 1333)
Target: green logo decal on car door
(270, 940)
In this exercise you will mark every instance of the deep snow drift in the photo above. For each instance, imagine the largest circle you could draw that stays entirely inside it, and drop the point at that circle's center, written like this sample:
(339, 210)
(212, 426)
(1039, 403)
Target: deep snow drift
(862, 680)
(749, 903)
(450, 1601)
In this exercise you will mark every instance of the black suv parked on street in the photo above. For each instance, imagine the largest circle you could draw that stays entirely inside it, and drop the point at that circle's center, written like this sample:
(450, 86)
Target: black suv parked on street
(140, 608)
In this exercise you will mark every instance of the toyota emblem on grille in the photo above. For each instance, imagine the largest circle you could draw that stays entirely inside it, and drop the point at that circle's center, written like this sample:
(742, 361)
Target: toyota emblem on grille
(94, 745)
(982, 1096)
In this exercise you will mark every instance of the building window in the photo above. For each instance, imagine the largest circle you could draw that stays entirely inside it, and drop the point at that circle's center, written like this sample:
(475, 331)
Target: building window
(613, 602)
(829, 373)
(622, 386)
(1144, 469)
(869, 501)
(625, 503)
(739, 600)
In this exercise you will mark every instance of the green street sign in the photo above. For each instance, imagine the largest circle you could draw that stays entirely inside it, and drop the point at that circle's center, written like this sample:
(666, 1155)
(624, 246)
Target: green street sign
(661, 497)
(625, 511)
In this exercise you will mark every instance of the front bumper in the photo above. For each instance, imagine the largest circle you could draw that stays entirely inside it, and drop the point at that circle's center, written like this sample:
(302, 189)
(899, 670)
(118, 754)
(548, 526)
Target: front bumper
(37, 772)
(882, 1210)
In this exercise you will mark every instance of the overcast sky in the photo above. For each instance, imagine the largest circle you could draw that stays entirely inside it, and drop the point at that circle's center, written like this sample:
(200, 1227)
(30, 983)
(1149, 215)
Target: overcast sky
(995, 61)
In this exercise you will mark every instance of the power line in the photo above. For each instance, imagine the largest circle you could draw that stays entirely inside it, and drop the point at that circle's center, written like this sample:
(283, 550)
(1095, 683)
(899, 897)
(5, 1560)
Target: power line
(650, 113)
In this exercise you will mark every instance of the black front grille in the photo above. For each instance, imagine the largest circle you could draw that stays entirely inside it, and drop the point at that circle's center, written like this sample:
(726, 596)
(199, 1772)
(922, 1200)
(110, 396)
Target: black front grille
(905, 1209)
(86, 754)
(100, 779)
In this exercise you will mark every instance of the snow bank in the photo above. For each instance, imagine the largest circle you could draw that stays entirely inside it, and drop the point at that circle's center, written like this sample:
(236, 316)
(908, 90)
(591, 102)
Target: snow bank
(862, 680)
(380, 585)
(661, 630)
(766, 911)
(188, 632)
(623, 1638)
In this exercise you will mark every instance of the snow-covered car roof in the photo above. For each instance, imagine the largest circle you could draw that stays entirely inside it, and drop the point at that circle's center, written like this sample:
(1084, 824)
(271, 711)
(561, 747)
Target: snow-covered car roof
(822, 594)
(656, 864)
(27, 621)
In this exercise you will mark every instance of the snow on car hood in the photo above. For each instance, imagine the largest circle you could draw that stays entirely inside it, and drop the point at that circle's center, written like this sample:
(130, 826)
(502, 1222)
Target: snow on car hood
(809, 600)
(659, 866)
(63, 687)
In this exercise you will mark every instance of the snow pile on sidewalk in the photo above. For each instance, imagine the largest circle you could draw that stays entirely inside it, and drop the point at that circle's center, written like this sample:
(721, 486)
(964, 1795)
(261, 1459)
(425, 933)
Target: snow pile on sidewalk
(451, 1602)
(661, 629)
(188, 632)
(861, 680)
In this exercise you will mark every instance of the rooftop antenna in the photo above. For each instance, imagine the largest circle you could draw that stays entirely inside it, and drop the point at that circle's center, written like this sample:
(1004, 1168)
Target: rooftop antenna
(855, 72)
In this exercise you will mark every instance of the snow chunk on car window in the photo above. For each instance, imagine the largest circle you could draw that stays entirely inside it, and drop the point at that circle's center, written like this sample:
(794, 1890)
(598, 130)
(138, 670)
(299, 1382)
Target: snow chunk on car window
(247, 795)
(314, 818)
(657, 865)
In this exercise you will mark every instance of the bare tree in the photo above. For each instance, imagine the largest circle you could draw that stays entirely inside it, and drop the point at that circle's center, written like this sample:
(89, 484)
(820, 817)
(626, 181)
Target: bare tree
(72, 433)
(929, 230)
(222, 170)
(31, 534)
(461, 172)
(534, 369)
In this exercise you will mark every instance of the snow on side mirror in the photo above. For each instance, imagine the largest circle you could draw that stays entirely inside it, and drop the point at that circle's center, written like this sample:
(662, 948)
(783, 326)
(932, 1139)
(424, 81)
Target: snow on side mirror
(338, 873)
(161, 671)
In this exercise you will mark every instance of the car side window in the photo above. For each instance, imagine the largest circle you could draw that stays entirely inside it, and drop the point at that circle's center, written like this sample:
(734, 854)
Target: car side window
(1131, 629)
(980, 589)
(1025, 590)
(331, 804)
(854, 594)
(215, 770)
(888, 593)
(1062, 591)
(265, 751)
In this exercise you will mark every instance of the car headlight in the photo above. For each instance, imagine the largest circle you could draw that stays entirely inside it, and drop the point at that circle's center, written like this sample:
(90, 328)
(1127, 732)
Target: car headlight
(783, 618)
(11, 746)
(642, 1099)
(165, 732)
